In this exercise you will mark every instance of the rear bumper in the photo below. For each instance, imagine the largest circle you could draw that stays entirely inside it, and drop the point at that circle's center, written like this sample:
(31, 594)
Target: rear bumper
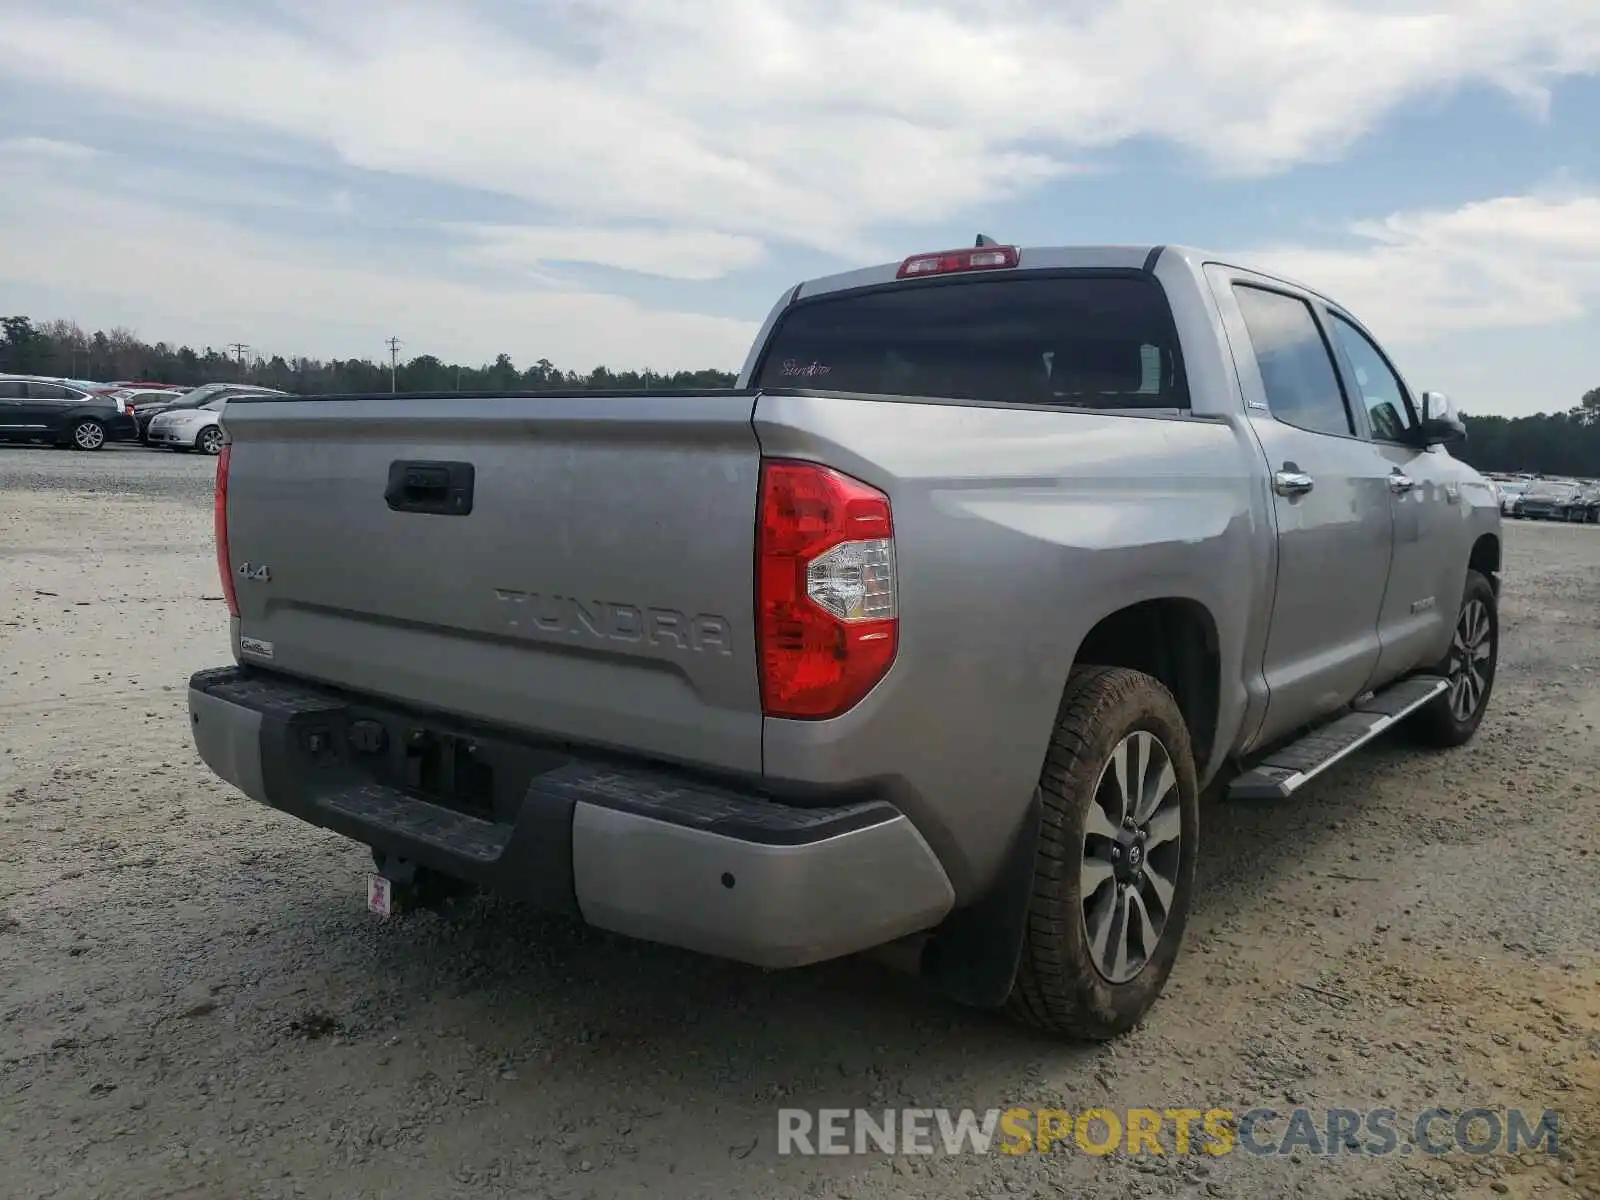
(157, 435)
(644, 852)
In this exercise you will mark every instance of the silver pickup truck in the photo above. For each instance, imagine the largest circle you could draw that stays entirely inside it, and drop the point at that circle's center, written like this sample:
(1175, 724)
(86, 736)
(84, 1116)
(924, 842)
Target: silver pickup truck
(926, 636)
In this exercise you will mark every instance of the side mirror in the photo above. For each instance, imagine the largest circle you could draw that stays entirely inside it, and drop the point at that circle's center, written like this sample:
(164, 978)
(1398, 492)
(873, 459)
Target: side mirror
(1441, 423)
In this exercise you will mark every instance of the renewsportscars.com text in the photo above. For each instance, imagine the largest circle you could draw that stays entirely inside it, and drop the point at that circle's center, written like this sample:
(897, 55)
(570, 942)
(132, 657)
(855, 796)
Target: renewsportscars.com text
(1136, 1131)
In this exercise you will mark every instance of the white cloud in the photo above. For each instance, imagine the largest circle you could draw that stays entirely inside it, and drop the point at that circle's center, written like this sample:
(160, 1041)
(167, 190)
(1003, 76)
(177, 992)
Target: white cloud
(693, 254)
(815, 121)
(199, 281)
(1505, 263)
(688, 140)
(48, 149)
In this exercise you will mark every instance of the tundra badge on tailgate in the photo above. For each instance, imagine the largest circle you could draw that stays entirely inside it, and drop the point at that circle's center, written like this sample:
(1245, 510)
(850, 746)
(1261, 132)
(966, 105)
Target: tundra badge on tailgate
(535, 612)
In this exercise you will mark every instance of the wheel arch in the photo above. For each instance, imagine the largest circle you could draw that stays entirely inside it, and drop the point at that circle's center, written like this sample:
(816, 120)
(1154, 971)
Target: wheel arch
(1173, 639)
(1485, 559)
(974, 955)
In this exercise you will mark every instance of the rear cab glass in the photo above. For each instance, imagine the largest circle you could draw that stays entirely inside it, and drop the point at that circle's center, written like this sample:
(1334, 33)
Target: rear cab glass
(1061, 339)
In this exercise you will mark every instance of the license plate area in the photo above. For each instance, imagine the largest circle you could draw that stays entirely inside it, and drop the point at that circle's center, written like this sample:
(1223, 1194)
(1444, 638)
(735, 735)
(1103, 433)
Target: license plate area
(474, 770)
(480, 772)
(380, 896)
(449, 769)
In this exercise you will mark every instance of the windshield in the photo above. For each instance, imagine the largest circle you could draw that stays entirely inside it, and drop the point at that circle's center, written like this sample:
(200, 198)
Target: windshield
(199, 395)
(1550, 490)
(1075, 341)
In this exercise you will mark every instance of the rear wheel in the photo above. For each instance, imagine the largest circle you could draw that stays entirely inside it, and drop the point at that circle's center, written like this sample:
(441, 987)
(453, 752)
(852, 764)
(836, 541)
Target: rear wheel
(88, 435)
(209, 441)
(1114, 870)
(1469, 666)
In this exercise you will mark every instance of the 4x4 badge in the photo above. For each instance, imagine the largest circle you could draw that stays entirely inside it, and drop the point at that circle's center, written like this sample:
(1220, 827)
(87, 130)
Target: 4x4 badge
(261, 574)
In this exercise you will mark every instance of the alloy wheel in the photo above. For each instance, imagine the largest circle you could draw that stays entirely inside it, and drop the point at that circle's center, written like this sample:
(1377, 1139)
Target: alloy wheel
(1471, 651)
(1128, 875)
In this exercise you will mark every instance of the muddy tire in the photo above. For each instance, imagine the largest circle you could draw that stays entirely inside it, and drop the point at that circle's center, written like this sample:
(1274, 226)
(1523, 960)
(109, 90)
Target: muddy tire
(1470, 665)
(1114, 870)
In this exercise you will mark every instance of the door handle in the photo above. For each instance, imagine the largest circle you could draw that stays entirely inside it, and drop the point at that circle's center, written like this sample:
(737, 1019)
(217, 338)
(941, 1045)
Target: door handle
(1401, 483)
(1292, 483)
(442, 488)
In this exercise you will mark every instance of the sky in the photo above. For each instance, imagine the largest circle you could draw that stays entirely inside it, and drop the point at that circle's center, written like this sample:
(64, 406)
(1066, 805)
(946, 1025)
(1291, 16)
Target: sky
(633, 182)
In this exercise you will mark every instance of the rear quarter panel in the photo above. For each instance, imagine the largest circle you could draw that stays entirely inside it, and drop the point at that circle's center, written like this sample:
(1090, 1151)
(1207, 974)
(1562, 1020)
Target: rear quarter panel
(1017, 530)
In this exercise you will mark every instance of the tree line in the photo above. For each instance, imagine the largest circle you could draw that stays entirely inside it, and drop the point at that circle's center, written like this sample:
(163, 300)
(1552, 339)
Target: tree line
(64, 349)
(1561, 443)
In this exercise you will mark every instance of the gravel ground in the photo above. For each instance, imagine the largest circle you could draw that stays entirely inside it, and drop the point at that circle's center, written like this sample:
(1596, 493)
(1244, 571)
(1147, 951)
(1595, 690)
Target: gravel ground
(194, 1002)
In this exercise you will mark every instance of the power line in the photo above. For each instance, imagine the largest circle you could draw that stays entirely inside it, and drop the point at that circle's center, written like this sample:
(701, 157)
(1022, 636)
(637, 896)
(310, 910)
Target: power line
(394, 360)
(238, 349)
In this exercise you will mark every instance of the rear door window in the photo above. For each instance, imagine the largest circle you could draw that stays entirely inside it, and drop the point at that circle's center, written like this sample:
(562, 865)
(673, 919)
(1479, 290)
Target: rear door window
(1075, 341)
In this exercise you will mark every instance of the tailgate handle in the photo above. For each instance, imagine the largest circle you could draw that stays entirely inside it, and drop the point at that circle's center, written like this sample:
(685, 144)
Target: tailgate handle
(442, 488)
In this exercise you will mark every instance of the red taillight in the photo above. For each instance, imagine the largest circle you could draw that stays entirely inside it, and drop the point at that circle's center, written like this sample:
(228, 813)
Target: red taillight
(825, 590)
(947, 262)
(219, 524)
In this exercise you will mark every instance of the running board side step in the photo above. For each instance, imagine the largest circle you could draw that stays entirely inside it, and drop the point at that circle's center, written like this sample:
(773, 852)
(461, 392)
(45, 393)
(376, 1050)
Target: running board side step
(1286, 771)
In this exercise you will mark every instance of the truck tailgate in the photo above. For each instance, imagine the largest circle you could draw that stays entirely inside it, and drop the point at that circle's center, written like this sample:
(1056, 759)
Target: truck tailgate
(599, 590)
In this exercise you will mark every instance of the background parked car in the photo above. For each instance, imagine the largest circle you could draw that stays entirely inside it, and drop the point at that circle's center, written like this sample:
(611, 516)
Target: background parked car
(1556, 500)
(1589, 492)
(193, 398)
(63, 412)
(137, 396)
(190, 428)
(1510, 492)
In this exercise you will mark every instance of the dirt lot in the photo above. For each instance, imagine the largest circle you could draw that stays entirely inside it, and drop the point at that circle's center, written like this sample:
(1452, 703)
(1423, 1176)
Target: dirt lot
(194, 1002)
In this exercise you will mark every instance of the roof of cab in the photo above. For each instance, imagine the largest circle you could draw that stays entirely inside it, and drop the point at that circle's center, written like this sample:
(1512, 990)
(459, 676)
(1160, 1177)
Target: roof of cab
(1037, 258)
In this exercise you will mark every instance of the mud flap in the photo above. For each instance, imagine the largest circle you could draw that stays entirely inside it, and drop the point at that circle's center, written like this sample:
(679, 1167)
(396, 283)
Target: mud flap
(973, 956)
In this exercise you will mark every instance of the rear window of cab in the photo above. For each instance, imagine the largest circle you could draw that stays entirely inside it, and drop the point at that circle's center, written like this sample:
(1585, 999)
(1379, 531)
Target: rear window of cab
(1078, 341)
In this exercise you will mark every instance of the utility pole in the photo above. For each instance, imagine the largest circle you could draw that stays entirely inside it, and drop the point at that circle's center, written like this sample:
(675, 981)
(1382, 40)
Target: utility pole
(238, 349)
(394, 361)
